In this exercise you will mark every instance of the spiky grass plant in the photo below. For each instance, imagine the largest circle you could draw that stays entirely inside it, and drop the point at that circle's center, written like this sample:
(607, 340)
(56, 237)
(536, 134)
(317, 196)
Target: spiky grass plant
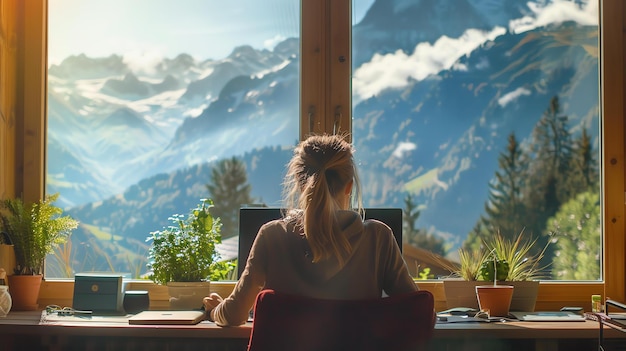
(34, 230)
(523, 264)
(470, 262)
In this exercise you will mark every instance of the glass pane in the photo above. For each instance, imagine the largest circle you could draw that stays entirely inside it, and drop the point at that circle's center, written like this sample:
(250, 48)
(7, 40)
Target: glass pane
(152, 101)
(482, 117)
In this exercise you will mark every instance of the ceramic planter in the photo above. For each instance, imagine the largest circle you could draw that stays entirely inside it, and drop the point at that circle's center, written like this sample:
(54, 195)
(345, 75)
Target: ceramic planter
(187, 295)
(462, 293)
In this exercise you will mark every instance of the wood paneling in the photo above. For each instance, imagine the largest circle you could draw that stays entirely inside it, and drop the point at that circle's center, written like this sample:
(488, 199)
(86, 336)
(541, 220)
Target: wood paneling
(32, 58)
(612, 63)
(8, 97)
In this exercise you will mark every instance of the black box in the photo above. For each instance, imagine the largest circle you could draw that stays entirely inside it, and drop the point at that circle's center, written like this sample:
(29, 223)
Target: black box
(99, 293)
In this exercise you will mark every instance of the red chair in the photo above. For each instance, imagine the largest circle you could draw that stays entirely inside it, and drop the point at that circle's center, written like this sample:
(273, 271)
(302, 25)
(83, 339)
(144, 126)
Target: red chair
(295, 323)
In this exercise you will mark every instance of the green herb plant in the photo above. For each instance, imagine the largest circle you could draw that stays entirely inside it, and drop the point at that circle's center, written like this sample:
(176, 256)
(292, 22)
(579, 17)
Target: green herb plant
(34, 229)
(186, 250)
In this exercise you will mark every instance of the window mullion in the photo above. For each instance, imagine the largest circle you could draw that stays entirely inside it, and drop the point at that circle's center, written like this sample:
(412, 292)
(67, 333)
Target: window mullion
(31, 99)
(313, 66)
(339, 108)
(326, 67)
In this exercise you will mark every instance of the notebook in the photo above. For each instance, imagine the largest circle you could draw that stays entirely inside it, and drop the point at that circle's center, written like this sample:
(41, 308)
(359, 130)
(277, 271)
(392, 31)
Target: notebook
(549, 316)
(167, 317)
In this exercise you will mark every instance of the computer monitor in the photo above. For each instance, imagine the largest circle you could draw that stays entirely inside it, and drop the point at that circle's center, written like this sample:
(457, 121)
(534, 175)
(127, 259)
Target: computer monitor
(252, 218)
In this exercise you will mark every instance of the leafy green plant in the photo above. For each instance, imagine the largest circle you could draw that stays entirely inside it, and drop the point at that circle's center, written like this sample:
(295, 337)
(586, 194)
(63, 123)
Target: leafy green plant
(34, 229)
(185, 251)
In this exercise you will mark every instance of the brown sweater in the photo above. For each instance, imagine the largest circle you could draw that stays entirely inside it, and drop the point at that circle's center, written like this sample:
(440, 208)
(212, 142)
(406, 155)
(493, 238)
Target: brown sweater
(280, 260)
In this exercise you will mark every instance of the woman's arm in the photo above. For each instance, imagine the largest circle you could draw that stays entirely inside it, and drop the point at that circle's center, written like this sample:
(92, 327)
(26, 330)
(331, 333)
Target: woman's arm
(234, 310)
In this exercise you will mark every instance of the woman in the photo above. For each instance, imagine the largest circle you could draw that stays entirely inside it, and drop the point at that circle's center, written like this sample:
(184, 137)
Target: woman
(321, 248)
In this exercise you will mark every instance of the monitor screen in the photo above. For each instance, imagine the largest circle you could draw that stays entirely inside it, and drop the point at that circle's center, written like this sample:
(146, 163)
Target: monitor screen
(252, 218)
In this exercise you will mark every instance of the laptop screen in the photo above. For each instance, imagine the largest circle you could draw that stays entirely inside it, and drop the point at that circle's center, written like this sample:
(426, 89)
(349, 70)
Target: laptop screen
(252, 218)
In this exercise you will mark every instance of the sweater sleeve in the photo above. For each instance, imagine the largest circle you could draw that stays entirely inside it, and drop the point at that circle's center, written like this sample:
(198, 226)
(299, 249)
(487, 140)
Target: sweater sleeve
(234, 310)
(397, 279)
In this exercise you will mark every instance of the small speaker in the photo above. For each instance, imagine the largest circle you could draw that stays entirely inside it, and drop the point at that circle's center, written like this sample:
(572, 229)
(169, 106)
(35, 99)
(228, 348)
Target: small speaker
(136, 301)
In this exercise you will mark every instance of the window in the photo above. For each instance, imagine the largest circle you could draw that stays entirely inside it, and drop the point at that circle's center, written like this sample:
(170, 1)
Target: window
(483, 118)
(149, 114)
(613, 139)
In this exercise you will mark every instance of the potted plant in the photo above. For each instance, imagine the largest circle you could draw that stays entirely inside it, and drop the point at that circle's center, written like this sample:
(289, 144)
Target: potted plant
(515, 265)
(34, 229)
(184, 257)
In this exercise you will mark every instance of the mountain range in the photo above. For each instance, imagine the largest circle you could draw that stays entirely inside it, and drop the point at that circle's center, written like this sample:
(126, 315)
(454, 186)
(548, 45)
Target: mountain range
(127, 148)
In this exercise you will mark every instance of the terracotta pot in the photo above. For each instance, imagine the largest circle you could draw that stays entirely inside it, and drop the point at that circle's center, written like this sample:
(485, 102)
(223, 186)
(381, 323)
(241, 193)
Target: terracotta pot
(462, 293)
(187, 295)
(496, 299)
(24, 290)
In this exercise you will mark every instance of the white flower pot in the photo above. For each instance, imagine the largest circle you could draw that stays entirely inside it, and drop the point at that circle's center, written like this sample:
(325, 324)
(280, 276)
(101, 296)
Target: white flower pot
(187, 295)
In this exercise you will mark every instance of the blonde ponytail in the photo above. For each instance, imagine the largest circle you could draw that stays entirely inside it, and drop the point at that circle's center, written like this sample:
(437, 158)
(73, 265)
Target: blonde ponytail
(317, 175)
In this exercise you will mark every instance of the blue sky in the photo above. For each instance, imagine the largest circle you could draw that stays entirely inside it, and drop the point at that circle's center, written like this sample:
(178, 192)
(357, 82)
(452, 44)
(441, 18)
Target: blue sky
(203, 28)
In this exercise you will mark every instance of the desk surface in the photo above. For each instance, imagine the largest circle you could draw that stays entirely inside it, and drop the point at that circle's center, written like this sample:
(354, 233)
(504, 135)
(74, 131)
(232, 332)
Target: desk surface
(29, 323)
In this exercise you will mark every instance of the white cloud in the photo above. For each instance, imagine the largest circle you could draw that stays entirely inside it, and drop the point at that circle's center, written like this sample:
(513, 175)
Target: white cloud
(557, 11)
(403, 148)
(504, 100)
(143, 61)
(398, 69)
(271, 43)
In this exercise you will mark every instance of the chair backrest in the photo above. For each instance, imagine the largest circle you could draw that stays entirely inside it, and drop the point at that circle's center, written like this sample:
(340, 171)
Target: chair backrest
(294, 323)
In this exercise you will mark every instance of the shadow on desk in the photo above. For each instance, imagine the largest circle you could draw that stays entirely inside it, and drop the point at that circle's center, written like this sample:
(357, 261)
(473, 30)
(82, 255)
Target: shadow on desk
(85, 343)
(91, 343)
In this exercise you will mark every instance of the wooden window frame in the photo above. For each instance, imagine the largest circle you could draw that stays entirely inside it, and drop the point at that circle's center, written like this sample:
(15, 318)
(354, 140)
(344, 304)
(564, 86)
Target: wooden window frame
(325, 106)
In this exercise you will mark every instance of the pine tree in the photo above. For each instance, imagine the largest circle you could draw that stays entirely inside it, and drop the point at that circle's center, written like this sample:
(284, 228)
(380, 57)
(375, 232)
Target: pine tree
(415, 236)
(505, 209)
(546, 187)
(552, 151)
(229, 190)
(584, 173)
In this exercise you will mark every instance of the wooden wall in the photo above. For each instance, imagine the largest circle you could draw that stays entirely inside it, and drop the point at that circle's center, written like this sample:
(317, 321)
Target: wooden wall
(23, 56)
(8, 97)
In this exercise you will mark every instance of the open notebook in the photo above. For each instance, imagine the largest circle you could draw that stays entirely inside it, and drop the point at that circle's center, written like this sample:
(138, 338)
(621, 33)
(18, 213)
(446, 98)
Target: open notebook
(549, 316)
(167, 317)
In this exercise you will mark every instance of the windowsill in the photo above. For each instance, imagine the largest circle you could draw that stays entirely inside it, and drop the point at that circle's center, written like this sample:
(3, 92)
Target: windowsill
(552, 294)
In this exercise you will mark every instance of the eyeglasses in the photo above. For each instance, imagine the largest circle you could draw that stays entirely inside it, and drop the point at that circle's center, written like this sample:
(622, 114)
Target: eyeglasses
(484, 314)
(66, 311)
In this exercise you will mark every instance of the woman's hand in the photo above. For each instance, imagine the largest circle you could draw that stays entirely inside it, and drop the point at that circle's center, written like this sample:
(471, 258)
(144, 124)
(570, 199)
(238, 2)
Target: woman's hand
(210, 302)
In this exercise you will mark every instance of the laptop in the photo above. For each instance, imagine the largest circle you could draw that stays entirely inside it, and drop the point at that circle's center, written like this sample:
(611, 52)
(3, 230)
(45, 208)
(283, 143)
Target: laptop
(167, 317)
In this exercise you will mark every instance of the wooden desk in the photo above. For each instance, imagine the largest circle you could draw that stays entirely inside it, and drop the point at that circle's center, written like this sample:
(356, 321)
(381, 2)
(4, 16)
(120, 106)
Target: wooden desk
(22, 331)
